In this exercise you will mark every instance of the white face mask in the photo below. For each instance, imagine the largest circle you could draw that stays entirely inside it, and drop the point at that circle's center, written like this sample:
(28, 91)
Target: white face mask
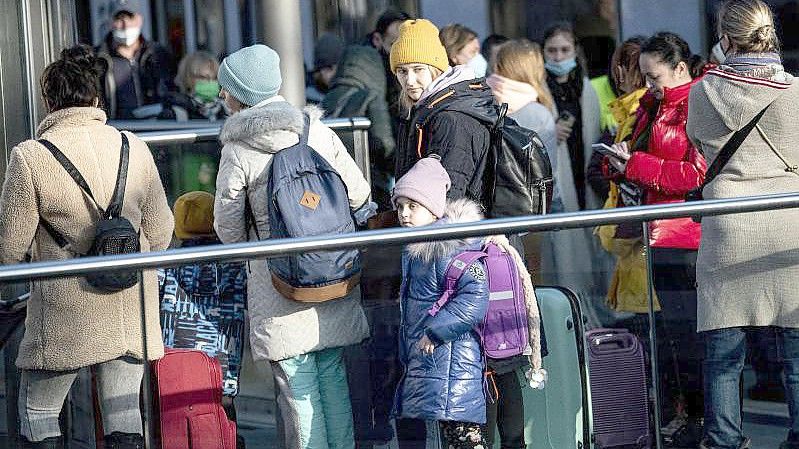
(718, 53)
(479, 65)
(127, 36)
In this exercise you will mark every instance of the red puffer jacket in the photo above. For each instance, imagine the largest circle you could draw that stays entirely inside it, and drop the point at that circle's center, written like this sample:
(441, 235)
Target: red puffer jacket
(668, 167)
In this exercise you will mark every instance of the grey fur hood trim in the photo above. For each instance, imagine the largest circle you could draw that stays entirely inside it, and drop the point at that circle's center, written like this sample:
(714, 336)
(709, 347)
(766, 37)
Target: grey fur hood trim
(269, 126)
(458, 211)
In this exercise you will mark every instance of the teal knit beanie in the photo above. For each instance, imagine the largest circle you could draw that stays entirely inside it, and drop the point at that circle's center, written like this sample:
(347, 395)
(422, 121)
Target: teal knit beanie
(251, 74)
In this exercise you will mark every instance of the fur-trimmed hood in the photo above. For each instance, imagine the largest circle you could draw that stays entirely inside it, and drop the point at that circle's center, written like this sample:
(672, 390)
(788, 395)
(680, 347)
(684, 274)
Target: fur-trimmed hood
(458, 211)
(269, 126)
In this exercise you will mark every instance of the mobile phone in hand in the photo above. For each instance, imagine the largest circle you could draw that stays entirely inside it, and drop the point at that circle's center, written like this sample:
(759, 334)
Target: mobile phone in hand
(567, 118)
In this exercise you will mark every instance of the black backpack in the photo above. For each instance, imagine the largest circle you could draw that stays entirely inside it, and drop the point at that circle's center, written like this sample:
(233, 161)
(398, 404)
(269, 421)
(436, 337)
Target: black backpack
(518, 174)
(114, 233)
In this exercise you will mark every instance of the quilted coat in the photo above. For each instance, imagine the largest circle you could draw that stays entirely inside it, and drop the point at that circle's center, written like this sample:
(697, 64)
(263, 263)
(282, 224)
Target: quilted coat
(447, 385)
(281, 328)
(668, 165)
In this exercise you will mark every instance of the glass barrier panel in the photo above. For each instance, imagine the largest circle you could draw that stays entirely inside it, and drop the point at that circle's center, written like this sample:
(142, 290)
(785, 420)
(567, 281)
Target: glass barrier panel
(722, 375)
(342, 369)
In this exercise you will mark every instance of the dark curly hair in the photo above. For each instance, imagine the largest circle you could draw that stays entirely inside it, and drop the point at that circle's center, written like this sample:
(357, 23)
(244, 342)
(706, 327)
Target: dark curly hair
(73, 80)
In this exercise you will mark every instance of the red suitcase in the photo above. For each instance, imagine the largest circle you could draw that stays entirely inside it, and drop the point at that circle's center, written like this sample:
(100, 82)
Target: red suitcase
(188, 394)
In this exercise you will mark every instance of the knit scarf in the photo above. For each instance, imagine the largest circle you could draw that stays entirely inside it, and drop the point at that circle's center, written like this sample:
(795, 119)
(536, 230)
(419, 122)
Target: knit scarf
(756, 65)
(515, 93)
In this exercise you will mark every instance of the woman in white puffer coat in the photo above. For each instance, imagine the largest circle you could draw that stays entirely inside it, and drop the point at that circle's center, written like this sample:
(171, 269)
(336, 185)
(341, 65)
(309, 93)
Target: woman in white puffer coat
(302, 341)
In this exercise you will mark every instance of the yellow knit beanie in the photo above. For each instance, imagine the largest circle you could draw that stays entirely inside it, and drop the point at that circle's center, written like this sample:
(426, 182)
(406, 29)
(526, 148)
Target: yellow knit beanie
(418, 43)
(194, 215)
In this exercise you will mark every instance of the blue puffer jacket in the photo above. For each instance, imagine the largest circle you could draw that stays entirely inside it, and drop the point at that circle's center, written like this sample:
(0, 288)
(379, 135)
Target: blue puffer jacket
(448, 385)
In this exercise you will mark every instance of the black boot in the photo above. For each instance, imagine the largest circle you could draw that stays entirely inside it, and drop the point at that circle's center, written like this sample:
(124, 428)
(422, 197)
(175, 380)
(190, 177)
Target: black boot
(120, 440)
(47, 443)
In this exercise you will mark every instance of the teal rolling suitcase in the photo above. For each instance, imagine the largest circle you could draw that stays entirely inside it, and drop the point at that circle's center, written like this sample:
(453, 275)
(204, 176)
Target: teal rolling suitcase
(559, 416)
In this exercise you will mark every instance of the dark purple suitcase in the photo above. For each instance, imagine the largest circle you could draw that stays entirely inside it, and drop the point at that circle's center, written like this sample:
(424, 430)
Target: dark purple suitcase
(619, 398)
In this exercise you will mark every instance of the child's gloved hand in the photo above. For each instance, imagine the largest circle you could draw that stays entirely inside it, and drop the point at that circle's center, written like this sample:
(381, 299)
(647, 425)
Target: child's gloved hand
(426, 346)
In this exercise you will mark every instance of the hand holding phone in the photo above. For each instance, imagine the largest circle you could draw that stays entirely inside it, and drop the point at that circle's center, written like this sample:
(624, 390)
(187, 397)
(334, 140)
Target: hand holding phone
(564, 125)
(618, 150)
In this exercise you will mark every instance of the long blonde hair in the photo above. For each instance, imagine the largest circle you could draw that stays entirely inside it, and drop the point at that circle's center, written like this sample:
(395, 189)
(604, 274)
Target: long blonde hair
(522, 60)
(406, 102)
(749, 24)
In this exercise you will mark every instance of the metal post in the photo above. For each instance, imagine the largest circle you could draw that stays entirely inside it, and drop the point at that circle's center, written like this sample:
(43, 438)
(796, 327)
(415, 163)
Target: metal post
(360, 147)
(232, 26)
(653, 356)
(162, 22)
(148, 411)
(190, 26)
(281, 29)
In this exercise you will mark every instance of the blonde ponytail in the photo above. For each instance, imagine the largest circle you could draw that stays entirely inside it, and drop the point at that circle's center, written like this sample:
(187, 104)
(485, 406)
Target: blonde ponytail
(749, 24)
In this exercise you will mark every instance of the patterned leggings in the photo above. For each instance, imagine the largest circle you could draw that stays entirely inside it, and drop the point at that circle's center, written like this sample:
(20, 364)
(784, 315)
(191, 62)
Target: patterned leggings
(462, 435)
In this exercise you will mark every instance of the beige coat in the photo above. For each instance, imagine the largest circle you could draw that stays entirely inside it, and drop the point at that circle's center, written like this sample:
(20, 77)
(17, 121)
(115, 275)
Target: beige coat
(281, 328)
(69, 324)
(748, 264)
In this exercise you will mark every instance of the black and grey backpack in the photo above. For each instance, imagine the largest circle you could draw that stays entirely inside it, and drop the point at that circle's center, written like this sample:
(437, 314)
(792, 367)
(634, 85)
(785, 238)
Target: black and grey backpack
(114, 233)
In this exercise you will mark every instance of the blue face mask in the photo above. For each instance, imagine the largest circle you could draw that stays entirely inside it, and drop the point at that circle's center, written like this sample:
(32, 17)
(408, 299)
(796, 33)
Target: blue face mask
(479, 65)
(561, 68)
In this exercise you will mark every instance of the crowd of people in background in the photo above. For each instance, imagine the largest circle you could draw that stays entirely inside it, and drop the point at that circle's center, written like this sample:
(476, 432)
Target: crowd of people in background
(672, 124)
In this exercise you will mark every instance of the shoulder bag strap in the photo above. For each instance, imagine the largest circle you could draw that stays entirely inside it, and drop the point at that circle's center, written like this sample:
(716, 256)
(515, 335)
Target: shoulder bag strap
(454, 272)
(729, 148)
(790, 168)
(72, 170)
(115, 208)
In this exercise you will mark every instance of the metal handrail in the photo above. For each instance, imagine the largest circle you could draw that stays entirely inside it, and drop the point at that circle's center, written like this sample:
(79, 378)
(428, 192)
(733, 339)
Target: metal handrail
(271, 248)
(163, 132)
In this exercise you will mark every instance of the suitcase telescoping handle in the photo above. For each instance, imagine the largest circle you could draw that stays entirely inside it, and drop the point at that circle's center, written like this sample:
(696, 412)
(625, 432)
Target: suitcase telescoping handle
(610, 341)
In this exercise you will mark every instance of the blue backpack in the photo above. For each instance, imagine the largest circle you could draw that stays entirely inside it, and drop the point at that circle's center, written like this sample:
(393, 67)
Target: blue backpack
(307, 197)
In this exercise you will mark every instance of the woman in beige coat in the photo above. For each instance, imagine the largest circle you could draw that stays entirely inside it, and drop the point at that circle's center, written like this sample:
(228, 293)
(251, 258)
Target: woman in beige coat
(69, 324)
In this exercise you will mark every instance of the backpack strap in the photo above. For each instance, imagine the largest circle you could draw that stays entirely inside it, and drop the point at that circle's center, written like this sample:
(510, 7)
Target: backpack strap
(306, 129)
(454, 272)
(72, 170)
(59, 239)
(115, 208)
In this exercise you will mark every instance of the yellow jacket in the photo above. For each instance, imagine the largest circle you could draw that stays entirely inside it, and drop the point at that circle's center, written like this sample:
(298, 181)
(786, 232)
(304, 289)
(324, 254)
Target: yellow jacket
(629, 286)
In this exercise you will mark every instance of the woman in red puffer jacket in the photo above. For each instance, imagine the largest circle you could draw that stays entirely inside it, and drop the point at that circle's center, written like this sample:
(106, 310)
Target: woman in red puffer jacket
(661, 161)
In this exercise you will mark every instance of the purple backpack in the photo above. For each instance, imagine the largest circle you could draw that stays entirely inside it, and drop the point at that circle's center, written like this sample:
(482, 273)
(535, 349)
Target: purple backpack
(504, 331)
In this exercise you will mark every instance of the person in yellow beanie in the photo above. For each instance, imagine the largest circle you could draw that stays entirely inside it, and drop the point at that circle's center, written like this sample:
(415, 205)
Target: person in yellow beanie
(198, 299)
(446, 112)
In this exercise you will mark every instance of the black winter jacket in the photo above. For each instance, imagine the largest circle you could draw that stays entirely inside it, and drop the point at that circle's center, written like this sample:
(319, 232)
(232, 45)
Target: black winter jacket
(359, 90)
(154, 68)
(447, 124)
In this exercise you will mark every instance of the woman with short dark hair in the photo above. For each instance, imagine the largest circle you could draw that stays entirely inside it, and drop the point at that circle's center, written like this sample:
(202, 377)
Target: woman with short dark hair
(661, 164)
(46, 215)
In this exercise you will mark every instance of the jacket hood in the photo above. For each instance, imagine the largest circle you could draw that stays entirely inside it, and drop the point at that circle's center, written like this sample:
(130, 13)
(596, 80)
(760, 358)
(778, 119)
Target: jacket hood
(453, 75)
(472, 97)
(269, 126)
(458, 211)
(361, 67)
(738, 98)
